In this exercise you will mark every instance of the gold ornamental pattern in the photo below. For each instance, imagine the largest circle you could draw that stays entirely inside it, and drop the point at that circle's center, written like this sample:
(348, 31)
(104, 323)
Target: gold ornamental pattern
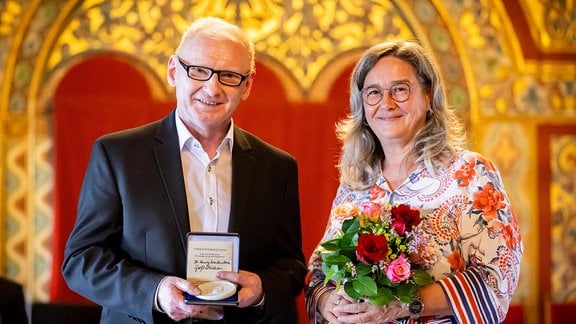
(302, 36)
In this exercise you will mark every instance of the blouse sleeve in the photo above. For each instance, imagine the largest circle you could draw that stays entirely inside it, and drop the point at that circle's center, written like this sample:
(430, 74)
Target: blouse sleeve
(490, 248)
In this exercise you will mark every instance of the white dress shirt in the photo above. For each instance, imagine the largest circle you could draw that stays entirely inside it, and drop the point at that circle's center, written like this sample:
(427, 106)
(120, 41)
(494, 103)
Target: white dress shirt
(208, 181)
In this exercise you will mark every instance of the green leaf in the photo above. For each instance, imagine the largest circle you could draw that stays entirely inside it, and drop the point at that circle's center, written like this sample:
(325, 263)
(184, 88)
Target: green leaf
(350, 291)
(327, 269)
(347, 240)
(332, 273)
(422, 277)
(351, 225)
(365, 286)
(338, 283)
(384, 297)
(329, 275)
(339, 260)
(349, 252)
(385, 281)
(331, 245)
(363, 269)
(406, 292)
(405, 299)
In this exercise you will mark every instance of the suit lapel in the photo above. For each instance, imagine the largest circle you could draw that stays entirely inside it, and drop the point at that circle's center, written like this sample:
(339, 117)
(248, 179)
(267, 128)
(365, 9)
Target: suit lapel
(167, 154)
(243, 174)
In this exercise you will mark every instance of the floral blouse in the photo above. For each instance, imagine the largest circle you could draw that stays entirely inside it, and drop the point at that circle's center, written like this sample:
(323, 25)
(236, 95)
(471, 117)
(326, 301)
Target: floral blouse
(475, 247)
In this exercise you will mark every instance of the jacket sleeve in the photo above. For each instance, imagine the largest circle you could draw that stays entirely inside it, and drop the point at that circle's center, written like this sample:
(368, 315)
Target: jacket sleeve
(283, 276)
(95, 265)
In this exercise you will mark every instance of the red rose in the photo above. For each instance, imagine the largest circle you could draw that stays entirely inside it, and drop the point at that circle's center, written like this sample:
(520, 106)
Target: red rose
(404, 218)
(371, 248)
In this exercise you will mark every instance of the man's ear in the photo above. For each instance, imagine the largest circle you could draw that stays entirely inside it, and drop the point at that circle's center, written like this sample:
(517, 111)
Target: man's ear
(248, 85)
(171, 71)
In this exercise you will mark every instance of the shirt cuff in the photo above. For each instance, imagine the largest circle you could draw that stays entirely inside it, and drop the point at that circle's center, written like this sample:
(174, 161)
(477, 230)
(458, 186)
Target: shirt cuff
(261, 302)
(156, 305)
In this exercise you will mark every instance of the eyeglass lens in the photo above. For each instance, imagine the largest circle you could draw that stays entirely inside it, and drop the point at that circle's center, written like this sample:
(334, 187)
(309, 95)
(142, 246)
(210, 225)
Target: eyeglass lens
(399, 92)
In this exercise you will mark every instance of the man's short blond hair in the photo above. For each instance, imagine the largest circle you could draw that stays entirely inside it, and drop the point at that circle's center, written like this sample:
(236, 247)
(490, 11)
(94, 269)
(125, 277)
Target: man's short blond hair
(219, 29)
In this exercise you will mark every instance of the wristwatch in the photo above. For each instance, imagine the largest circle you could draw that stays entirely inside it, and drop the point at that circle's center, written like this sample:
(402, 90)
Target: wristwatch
(416, 307)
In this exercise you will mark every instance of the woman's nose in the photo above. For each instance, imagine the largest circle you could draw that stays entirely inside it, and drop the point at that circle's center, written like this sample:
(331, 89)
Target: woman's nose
(387, 102)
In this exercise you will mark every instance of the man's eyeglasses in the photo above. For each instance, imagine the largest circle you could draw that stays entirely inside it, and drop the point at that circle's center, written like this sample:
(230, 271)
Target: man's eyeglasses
(399, 92)
(202, 73)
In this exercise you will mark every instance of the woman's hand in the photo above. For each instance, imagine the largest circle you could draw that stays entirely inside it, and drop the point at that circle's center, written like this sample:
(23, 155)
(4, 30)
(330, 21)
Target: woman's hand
(336, 307)
(366, 313)
(329, 301)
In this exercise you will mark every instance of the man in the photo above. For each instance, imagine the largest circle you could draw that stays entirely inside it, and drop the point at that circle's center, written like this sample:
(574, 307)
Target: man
(194, 170)
(12, 302)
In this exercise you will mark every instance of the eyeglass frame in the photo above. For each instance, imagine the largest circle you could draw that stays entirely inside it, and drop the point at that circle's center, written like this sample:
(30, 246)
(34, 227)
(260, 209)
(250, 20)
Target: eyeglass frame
(187, 68)
(382, 90)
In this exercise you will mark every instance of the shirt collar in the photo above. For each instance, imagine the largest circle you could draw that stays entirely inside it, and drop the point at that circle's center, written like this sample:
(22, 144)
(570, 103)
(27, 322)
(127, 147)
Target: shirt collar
(184, 135)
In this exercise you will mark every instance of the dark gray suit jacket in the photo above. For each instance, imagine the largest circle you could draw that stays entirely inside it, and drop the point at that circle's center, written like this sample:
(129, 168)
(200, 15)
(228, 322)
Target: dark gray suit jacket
(132, 223)
(12, 302)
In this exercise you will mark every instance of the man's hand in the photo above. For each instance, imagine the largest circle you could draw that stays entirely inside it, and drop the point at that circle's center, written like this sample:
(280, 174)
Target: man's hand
(171, 300)
(251, 292)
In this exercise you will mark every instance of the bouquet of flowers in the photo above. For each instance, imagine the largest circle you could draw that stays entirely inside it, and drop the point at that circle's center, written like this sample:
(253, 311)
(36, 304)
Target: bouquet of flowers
(371, 254)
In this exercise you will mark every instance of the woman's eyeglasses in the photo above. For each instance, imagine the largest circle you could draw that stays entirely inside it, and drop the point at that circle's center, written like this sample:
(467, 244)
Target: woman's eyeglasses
(399, 92)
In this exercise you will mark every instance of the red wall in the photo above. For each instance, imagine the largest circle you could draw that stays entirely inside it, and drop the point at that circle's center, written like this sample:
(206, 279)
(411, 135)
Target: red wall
(97, 96)
(104, 94)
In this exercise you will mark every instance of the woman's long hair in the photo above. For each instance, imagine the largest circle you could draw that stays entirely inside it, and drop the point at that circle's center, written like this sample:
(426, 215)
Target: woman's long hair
(435, 143)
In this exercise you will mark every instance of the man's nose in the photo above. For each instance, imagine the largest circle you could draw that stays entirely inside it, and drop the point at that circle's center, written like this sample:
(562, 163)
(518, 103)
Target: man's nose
(213, 86)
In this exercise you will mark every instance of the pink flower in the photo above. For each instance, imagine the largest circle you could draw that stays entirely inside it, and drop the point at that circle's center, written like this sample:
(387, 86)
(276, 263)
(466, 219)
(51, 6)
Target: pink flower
(371, 209)
(399, 269)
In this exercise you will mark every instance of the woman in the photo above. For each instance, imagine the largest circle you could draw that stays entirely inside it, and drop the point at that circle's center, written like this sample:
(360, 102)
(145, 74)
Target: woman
(403, 145)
